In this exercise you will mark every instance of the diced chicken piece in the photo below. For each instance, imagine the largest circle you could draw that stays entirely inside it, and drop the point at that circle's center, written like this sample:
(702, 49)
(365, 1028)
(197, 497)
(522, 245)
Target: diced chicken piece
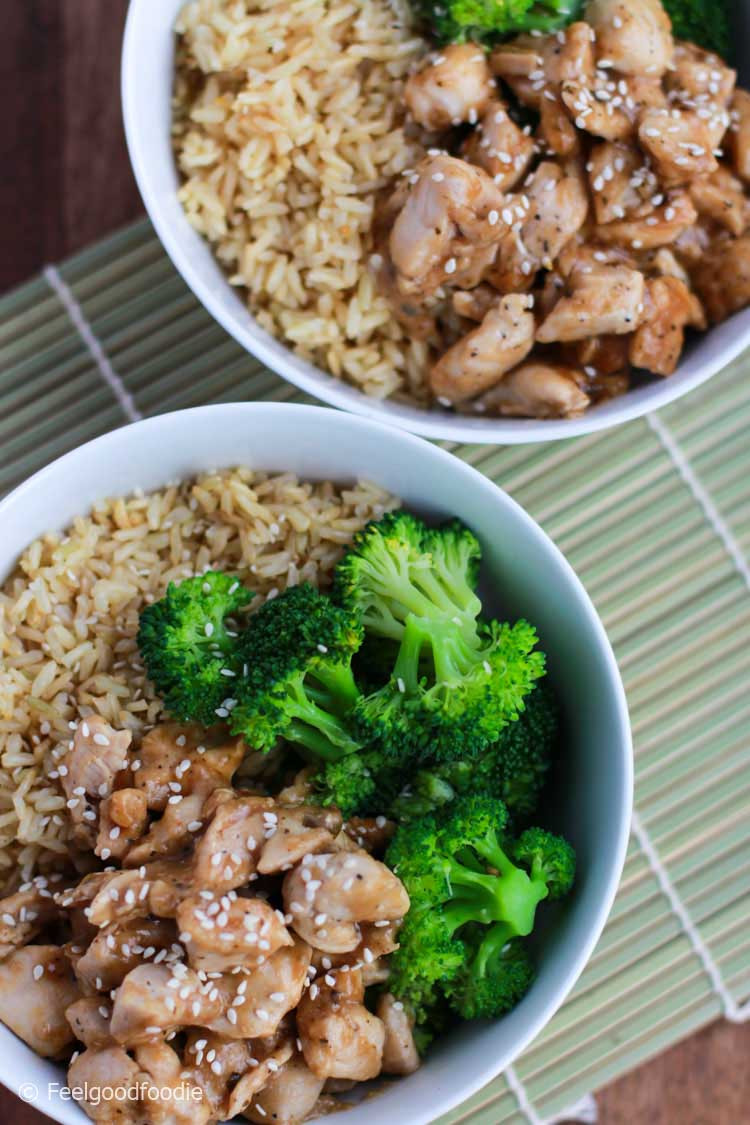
(537, 390)
(680, 143)
(474, 304)
(739, 134)
(88, 772)
(722, 278)
(622, 185)
(25, 913)
(214, 1062)
(664, 263)
(171, 1096)
(481, 358)
(634, 35)
(532, 64)
(117, 949)
(600, 356)
(663, 226)
(254, 1081)
(94, 1070)
(556, 130)
(339, 1037)
(499, 146)
(89, 1021)
(172, 833)
(451, 88)
(288, 1096)
(156, 888)
(595, 109)
(254, 1004)
(297, 832)
(700, 76)
(154, 999)
(331, 894)
(558, 206)
(452, 212)
(227, 854)
(658, 342)
(602, 300)
(183, 758)
(36, 987)
(721, 197)
(400, 1055)
(123, 818)
(223, 931)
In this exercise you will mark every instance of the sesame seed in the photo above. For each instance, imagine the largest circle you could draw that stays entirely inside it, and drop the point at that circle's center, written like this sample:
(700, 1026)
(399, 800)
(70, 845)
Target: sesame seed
(450, 265)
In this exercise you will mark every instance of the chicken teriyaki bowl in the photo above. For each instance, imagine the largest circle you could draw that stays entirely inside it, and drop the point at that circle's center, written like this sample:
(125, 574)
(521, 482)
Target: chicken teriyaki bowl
(487, 209)
(272, 778)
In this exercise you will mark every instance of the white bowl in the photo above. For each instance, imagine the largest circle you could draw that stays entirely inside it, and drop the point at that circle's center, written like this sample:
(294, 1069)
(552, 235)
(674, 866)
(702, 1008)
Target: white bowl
(524, 574)
(147, 76)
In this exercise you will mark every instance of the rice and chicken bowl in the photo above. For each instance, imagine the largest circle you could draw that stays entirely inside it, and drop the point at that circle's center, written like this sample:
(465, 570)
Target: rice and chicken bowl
(506, 224)
(273, 782)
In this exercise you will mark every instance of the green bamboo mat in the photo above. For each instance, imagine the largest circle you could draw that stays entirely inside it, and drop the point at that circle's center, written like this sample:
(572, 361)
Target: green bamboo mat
(654, 516)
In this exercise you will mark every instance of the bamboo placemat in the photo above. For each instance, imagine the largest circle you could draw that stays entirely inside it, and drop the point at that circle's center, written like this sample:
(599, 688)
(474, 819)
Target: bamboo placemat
(654, 516)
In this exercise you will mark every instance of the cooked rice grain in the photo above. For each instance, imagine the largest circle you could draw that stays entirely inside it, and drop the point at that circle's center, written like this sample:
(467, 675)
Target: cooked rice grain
(69, 616)
(288, 119)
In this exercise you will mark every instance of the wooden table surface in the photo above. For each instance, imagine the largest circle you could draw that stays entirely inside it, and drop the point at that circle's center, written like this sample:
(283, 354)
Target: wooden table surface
(66, 182)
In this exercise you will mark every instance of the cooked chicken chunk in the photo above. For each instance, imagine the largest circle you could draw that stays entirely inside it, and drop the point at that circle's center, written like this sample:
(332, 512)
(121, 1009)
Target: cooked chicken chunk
(474, 304)
(36, 987)
(452, 87)
(123, 818)
(88, 772)
(537, 390)
(499, 146)
(297, 832)
(223, 931)
(622, 185)
(635, 35)
(602, 300)
(339, 1037)
(227, 854)
(253, 1004)
(329, 895)
(699, 76)
(95, 1069)
(658, 342)
(154, 999)
(739, 134)
(118, 948)
(156, 888)
(481, 358)
(178, 758)
(452, 211)
(663, 226)
(214, 1062)
(25, 913)
(680, 142)
(722, 278)
(171, 833)
(721, 197)
(288, 1096)
(89, 1021)
(171, 1096)
(247, 1094)
(400, 1055)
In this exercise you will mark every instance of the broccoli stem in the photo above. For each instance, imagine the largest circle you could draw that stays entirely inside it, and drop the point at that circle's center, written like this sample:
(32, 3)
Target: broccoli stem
(452, 656)
(315, 727)
(491, 946)
(511, 896)
(339, 684)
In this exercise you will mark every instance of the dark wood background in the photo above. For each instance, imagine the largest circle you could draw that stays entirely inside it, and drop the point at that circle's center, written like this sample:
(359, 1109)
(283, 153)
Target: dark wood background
(64, 182)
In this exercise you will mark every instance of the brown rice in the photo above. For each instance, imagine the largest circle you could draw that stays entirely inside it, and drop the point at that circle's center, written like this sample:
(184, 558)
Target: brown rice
(69, 616)
(288, 120)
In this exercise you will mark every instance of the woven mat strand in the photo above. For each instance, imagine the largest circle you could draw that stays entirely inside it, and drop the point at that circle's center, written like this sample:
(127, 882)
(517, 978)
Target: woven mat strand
(654, 516)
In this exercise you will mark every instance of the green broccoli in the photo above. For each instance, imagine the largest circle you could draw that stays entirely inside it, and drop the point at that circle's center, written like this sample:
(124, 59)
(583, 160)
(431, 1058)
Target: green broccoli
(298, 682)
(513, 768)
(474, 896)
(487, 21)
(705, 22)
(456, 681)
(190, 654)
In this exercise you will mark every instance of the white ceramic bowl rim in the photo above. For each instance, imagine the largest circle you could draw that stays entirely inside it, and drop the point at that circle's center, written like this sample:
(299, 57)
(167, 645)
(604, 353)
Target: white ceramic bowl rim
(169, 446)
(146, 85)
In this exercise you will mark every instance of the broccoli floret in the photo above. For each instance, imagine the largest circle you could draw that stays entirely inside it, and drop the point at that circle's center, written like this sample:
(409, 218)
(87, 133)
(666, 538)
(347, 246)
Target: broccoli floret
(189, 653)
(297, 678)
(514, 768)
(486, 21)
(476, 685)
(470, 905)
(705, 22)
(398, 567)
